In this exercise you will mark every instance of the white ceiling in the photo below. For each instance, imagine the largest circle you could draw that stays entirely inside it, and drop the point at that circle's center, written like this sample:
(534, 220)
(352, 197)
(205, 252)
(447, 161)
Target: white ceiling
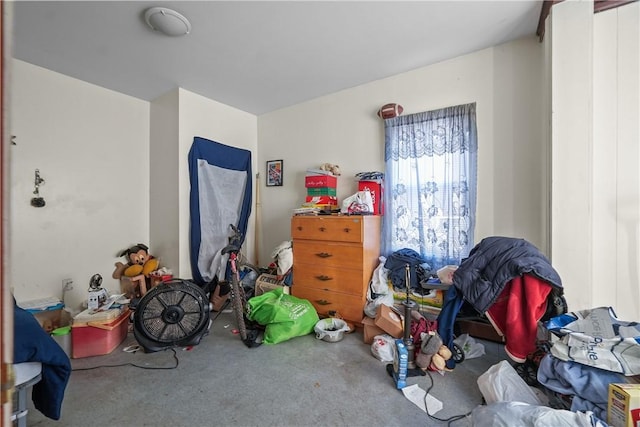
(259, 56)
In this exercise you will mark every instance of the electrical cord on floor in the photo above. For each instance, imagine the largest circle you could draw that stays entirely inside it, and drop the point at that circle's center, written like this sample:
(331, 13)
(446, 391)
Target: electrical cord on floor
(449, 420)
(175, 356)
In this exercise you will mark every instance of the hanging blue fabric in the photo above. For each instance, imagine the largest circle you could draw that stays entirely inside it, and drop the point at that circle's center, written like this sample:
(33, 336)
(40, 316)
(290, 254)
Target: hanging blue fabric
(221, 194)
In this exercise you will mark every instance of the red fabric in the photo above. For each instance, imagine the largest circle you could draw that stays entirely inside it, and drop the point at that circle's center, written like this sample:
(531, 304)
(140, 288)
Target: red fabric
(516, 313)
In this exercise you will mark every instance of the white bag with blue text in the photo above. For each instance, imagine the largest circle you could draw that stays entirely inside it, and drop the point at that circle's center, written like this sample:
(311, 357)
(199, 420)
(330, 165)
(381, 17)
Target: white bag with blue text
(596, 337)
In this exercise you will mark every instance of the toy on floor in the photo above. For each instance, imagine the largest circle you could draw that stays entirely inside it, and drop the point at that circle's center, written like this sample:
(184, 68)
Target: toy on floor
(433, 353)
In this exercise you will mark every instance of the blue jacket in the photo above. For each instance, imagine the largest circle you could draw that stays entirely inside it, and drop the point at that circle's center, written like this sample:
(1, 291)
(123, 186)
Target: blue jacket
(493, 262)
(32, 344)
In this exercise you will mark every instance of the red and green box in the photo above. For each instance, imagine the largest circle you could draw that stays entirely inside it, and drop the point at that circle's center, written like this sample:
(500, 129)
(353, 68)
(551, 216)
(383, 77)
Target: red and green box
(319, 181)
(321, 191)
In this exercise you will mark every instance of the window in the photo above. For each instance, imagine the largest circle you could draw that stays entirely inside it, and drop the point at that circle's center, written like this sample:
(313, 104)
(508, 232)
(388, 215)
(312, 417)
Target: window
(430, 180)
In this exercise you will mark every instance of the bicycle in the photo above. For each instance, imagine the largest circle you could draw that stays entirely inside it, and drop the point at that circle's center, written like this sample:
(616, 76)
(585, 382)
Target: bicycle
(243, 276)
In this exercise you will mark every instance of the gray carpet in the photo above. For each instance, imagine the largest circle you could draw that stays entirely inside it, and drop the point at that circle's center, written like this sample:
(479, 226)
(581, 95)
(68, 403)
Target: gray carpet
(221, 382)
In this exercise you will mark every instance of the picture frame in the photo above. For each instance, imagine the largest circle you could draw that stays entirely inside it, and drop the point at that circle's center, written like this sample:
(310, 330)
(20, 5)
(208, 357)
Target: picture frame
(275, 173)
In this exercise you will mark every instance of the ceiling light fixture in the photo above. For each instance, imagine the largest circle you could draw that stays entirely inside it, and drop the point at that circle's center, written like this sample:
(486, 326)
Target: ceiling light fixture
(167, 21)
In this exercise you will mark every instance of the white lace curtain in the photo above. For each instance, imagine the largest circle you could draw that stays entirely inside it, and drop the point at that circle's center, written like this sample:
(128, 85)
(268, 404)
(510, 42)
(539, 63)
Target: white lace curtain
(430, 180)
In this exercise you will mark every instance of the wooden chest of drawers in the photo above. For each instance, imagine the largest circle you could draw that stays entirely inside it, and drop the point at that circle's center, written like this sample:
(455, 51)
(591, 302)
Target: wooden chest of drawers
(333, 259)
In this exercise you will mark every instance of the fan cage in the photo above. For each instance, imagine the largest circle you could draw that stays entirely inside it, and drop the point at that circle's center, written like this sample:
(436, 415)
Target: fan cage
(172, 313)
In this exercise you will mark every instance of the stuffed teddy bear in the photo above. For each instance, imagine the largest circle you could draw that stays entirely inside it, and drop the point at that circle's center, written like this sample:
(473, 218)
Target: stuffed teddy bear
(433, 353)
(139, 262)
(334, 169)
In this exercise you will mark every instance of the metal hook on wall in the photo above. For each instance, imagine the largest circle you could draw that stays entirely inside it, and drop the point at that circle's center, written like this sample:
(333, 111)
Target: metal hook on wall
(37, 202)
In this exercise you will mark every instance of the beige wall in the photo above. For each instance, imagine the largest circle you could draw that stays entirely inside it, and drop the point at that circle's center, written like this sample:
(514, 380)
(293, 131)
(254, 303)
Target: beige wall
(200, 116)
(91, 146)
(342, 128)
(116, 174)
(164, 208)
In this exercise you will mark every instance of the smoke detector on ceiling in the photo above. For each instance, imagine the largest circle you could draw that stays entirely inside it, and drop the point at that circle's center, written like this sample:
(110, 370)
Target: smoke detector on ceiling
(167, 21)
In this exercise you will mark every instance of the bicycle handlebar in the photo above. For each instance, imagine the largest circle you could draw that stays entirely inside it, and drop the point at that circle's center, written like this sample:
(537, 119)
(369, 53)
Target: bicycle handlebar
(234, 241)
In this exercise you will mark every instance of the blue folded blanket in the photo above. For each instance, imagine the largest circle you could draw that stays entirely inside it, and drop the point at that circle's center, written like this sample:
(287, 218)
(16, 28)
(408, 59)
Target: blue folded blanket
(589, 386)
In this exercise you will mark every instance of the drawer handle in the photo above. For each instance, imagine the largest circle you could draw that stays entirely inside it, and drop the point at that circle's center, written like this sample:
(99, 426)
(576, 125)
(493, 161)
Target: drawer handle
(324, 255)
(322, 229)
(322, 302)
(299, 228)
(324, 278)
(347, 229)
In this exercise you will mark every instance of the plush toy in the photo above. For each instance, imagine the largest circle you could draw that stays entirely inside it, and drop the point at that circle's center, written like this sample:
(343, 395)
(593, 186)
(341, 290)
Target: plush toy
(334, 169)
(139, 262)
(433, 353)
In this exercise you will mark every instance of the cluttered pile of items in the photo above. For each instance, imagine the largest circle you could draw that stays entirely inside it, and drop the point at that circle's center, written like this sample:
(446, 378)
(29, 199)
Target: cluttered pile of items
(571, 368)
(321, 185)
(96, 330)
(104, 320)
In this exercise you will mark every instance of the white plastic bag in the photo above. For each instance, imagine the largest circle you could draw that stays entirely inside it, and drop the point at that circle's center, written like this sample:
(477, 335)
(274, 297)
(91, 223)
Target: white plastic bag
(358, 203)
(378, 291)
(383, 347)
(283, 255)
(501, 383)
(508, 414)
(470, 346)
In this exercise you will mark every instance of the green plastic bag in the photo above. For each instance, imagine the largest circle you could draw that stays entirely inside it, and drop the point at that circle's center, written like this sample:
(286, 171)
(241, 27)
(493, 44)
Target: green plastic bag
(284, 316)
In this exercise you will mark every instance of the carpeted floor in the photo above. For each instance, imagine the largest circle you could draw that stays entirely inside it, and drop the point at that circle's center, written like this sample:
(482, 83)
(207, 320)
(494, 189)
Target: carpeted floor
(221, 382)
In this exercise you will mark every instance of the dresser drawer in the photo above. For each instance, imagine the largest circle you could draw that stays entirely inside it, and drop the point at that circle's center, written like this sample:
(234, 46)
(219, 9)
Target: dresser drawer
(333, 228)
(327, 254)
(350, 307)
(328, 278)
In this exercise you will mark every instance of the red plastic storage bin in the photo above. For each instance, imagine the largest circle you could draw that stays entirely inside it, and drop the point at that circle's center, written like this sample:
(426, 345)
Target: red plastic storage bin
(98, 338)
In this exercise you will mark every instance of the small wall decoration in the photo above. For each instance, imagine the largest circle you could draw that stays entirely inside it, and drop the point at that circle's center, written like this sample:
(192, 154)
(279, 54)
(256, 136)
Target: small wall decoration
(274, 173)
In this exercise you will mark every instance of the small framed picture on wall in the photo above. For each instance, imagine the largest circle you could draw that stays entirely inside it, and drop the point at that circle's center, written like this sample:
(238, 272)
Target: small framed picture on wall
(274, 173)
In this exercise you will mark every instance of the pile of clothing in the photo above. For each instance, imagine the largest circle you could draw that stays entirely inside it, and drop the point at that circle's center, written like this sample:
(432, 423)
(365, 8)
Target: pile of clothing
(582, 372)
(511, 282)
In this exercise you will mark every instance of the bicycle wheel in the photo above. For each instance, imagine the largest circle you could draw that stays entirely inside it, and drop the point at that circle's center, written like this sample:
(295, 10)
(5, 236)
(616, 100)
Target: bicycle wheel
(238, 301)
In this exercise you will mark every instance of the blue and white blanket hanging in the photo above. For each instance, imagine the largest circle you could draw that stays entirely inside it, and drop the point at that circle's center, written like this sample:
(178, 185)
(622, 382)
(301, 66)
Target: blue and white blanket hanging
(221, 188)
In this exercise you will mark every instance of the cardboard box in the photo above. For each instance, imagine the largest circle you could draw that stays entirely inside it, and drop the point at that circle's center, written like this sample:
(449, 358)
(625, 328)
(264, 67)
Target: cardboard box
(389, 321)
(623, 405)
(268, 282)
(98, 338)
(322, 191)
(370, 330)
(400, 364)
(315, 181)
(376, 189)
(49, 312)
